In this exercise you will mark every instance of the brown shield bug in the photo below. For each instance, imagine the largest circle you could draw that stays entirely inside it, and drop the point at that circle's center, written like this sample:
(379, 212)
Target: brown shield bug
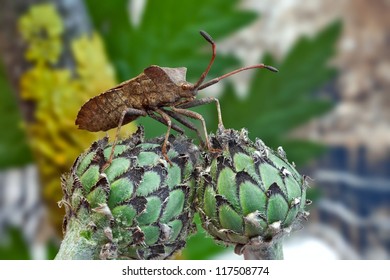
(161, 93)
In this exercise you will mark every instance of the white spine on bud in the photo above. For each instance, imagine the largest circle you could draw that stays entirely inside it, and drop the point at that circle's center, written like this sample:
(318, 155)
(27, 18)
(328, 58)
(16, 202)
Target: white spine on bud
(108, 233)
(276, 226)
(262, 149)
(244, 135)
(253, 218)
(285, 172)
(281, 152)
(166, 230)
(104, 209)
(295, 201)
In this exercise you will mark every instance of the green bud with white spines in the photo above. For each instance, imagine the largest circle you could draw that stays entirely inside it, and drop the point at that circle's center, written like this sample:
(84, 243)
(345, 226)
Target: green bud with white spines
(140, 207)
(248, 195)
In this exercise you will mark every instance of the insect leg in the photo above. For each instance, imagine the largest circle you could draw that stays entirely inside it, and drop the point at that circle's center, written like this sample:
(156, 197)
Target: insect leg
(127, 112)
(202, 101)
(196, 116)
(184, 122)
(169, 124)
(162, 120)
(182, 101)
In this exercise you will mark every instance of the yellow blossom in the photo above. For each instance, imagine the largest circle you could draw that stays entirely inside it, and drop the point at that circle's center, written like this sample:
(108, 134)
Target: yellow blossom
(92, 66)
(41, 27)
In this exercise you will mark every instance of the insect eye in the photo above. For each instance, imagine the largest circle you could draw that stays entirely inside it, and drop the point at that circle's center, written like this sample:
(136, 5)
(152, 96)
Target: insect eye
(185, 86)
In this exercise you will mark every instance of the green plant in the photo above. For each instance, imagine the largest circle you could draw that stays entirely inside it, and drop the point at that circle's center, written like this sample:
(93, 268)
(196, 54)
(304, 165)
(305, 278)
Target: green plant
(249, 195)
(140, 207)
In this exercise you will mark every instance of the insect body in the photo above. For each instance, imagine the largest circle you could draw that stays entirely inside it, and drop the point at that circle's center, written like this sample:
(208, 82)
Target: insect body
(159, 92)
(156, 87)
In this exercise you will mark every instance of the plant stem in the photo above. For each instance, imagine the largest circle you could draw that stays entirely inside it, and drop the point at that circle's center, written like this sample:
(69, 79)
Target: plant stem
(76, 247)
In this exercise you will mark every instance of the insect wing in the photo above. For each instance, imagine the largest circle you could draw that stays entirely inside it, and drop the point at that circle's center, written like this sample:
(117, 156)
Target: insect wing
(166, 75)
(103, 112)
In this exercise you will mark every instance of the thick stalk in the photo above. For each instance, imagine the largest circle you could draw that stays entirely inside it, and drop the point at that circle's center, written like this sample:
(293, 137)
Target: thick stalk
(76, 247)
(264, 251)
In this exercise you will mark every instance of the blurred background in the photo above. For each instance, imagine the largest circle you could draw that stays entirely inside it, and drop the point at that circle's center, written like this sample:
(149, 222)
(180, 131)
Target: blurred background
(328, 106)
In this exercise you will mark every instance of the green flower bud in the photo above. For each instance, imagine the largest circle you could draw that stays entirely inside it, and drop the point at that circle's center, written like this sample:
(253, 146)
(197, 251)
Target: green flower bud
(249, 195)
(140, 207)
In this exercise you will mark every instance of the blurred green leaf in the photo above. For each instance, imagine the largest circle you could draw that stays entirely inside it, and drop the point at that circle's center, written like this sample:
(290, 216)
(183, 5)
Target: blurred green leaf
(201, 246)
(279, 102)
(15, 247)
(301, 151)
(14, 150)
(167, 35)
(52, 249)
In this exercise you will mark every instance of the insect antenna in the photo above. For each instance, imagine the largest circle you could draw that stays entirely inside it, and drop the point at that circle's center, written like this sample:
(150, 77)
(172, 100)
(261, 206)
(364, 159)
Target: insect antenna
(216, 80)
(199, 86)
(204, 74)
